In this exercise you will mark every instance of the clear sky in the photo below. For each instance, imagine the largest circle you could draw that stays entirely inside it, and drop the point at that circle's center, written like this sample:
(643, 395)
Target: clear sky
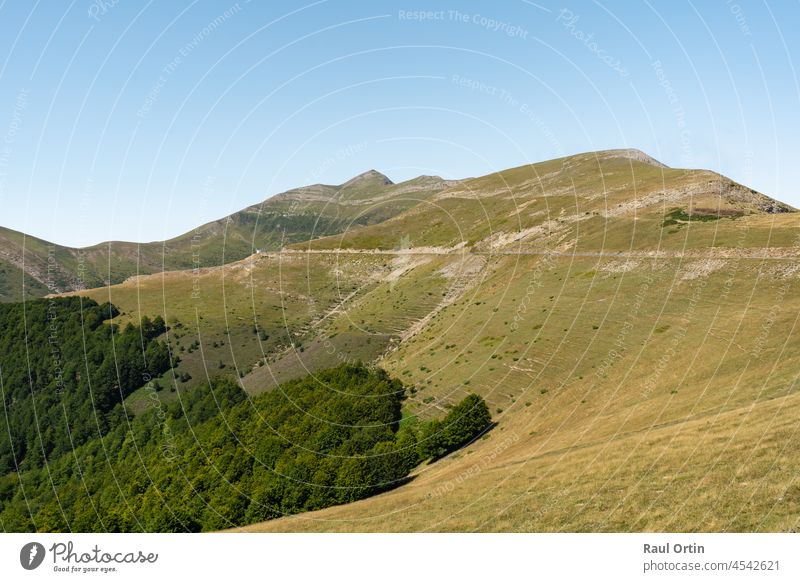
(133, 120)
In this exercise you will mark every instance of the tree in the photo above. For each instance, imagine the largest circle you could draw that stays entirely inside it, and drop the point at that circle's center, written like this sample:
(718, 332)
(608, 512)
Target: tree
(407, 454)
(384, 469)
(352, 479)
(216, 458)
(431, 440)
(465, 422)
(157, 357)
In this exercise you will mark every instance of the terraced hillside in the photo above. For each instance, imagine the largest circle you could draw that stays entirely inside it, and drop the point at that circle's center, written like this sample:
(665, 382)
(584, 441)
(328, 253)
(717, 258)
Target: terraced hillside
(632, 326)
(297, 215)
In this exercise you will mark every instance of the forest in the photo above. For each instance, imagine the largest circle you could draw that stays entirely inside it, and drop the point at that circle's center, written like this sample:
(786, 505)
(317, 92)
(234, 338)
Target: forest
(212, 459)
(64, 372)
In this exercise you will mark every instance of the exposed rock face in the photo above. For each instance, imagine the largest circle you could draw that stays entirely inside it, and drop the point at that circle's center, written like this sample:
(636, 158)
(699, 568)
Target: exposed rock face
(737, 194)
(632, 154)
(774, 207)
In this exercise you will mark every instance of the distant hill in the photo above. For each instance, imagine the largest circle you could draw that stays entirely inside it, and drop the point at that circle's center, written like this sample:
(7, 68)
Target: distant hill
(297, 215)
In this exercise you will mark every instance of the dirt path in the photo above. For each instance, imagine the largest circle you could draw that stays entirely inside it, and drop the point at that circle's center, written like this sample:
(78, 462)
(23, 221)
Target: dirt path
(759, 254)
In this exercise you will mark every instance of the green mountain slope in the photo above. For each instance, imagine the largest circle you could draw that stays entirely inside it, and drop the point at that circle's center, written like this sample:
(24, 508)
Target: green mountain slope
(297, 215)
(615, 199)
(14, 282)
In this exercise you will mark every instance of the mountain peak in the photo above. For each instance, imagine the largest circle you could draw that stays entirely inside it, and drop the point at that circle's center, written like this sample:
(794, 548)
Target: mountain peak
(369, 177)
(633, 154)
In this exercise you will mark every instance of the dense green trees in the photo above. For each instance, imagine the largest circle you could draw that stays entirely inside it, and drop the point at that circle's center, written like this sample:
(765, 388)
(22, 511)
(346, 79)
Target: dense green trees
(467, 420)
(63, 372)
(215, 459)
(210, 460)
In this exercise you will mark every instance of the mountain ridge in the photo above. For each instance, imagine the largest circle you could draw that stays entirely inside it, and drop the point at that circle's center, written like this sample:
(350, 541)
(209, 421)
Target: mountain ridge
(34, 267)
(291, 216)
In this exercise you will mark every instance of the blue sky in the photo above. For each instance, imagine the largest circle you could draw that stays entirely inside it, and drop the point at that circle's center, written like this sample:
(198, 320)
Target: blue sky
(123, 120)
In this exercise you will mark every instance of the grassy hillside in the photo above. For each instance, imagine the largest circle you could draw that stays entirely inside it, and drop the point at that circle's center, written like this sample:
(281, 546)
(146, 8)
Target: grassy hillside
(604, 201)
(235, 318)
(297, 215)
(15, 285)
(276, 317)
(661, 396)
(633, 328)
